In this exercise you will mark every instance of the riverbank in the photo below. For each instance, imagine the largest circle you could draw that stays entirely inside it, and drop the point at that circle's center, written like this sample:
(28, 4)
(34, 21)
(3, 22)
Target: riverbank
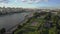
(11, 21)
(12, 29)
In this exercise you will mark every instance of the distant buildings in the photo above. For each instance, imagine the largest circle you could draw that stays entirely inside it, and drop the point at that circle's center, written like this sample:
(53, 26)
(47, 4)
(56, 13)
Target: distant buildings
(17, 10)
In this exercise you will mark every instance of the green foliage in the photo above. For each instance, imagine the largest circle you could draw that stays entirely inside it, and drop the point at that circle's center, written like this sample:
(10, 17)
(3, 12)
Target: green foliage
(19, 26)
(40, 29)
(3, 30)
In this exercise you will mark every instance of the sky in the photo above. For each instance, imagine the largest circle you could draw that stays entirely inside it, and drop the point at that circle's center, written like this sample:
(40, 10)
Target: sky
(30, 3)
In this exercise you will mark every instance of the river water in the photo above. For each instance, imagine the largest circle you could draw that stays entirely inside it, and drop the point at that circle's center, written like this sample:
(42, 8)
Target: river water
(10, 20)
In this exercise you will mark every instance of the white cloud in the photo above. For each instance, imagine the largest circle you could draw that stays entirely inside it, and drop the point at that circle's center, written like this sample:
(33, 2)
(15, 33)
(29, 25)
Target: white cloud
(4, 1)
(46, 0)
(24, 0)
(37, 1)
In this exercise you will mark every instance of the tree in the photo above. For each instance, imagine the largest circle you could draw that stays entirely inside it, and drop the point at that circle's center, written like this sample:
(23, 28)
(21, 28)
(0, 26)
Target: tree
(3, 30)
(48, 17)
(19, 26)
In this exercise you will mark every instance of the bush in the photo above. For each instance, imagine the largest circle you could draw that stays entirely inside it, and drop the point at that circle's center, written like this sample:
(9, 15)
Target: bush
(19, 27)
(3, 30)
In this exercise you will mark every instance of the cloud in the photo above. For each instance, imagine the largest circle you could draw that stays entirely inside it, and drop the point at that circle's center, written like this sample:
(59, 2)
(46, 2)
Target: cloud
(23, 0)
(4, 1)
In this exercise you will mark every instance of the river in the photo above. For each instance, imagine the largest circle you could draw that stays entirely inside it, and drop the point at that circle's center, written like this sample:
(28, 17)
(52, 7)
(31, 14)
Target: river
(9, 21)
